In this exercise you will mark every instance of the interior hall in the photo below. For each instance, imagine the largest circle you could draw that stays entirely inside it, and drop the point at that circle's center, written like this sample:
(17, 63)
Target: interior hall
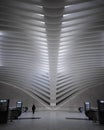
(51, 64)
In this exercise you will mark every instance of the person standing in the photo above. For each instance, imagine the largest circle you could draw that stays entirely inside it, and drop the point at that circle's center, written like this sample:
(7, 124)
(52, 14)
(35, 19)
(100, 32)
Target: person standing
(33, 108)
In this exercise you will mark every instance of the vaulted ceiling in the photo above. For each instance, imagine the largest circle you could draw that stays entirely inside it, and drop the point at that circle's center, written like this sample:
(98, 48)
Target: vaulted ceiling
(52, 49)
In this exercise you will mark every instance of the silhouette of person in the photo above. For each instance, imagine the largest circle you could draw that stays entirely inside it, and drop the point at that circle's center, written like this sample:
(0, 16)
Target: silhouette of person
(33, 108)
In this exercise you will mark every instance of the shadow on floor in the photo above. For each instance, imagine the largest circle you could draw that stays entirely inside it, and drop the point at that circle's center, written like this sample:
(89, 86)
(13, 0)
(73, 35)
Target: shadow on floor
(76, 118)
(29, 118)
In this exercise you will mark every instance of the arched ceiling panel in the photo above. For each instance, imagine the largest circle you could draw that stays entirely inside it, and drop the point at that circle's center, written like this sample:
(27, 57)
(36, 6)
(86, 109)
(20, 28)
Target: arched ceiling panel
(52, 49)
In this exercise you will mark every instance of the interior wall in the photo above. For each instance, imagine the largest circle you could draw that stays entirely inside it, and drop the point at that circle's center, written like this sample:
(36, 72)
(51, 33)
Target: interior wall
(15, 95)
(90, 95)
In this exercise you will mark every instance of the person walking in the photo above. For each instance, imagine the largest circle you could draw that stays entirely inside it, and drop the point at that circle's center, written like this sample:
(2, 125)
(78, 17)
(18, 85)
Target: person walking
(33, 108)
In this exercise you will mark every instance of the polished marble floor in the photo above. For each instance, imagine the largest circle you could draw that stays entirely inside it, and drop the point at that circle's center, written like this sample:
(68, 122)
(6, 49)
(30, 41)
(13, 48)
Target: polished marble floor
(52, 120)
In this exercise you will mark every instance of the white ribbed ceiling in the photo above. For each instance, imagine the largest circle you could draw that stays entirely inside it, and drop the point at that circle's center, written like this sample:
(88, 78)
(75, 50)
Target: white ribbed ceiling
(52, 49)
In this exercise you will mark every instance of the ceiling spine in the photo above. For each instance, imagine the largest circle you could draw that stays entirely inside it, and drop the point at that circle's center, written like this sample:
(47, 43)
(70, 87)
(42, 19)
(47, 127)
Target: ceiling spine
(53, 39)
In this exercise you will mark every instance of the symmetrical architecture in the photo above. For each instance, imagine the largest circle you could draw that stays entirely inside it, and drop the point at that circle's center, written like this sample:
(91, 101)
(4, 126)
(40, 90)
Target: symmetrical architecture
(52, 50)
